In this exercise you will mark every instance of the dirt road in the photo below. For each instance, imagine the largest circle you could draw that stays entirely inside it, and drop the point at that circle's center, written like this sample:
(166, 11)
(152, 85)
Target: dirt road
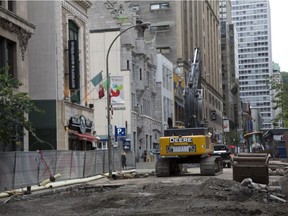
(188, 194)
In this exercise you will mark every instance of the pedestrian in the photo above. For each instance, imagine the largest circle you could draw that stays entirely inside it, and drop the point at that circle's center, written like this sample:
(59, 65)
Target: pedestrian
(145, 155)
(123, 160)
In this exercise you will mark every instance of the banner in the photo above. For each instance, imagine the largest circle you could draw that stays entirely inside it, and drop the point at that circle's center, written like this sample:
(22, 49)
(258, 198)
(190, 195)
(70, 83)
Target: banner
(226, 125)
(74, 71)
(116, 90)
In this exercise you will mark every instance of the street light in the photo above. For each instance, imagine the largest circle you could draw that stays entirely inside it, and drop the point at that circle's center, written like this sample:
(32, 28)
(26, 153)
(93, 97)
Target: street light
(141, 28)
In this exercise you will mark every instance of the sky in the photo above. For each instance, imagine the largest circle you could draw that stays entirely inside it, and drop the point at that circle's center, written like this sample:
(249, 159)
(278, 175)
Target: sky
(279, 19)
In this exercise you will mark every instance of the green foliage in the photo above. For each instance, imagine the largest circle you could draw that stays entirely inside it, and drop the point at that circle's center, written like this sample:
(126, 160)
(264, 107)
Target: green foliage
(280, 97)
(14, 108)
(232, 138)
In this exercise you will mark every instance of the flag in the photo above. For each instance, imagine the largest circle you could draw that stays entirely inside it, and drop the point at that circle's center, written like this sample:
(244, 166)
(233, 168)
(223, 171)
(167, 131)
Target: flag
(97, 79)
(101, 92)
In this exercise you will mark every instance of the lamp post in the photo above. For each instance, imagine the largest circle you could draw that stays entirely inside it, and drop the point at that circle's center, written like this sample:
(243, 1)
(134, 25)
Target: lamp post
(141, 28)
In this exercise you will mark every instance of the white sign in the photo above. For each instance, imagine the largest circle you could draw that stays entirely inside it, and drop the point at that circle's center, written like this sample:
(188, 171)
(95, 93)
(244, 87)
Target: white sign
(226, 127)
(180, 139)
(183, 148)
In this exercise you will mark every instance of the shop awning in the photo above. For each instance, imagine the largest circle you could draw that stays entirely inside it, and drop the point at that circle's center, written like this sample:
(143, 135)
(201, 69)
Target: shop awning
(87, 137)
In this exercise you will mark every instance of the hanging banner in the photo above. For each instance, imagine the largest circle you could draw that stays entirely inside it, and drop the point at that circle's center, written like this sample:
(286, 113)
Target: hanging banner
(116, 90)
(74, 71)
(226, 125)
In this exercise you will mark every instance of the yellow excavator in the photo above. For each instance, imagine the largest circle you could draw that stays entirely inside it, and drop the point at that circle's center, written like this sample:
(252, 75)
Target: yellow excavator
(191, 144)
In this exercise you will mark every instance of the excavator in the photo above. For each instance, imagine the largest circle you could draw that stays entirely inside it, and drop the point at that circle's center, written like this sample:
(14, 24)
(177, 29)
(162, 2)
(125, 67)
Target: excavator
(191, 144)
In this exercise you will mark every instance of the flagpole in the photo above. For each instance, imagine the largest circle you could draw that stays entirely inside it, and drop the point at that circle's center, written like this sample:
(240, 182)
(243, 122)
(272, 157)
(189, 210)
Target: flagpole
(93, 88)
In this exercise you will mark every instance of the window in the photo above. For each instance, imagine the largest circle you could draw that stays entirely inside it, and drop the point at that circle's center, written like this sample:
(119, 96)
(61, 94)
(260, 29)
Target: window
(102, 145)
(11, 5)
(161, 28)
(159, 6)
(163, 50)
(136, 8)
(8, 55)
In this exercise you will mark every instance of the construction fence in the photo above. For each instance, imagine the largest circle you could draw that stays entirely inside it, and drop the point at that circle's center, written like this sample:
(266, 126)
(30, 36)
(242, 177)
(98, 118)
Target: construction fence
(21, 169)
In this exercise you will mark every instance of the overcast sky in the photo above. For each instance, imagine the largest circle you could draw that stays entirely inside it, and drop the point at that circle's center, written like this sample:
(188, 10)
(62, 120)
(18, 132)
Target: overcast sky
(279, 19)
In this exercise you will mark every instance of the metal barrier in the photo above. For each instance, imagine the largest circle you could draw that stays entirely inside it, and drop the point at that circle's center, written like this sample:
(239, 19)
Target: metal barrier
(21, 169)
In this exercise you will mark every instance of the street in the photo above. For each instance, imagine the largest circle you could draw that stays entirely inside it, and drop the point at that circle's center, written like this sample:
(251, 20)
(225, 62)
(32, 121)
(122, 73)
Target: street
(187, 194)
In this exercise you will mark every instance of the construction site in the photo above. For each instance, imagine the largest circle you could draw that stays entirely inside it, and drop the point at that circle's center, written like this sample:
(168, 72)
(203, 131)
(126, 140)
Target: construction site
(139, 192)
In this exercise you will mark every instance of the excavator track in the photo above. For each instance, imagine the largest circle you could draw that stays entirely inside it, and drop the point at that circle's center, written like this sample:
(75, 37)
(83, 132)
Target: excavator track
(167, 167)
(211, 166)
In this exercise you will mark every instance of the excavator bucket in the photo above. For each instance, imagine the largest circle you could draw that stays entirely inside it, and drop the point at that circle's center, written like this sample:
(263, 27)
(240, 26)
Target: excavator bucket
(251, 165)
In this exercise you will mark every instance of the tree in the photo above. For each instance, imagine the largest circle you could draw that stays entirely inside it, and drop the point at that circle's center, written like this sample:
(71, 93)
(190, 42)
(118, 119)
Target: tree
(280, 97)
(14, 109)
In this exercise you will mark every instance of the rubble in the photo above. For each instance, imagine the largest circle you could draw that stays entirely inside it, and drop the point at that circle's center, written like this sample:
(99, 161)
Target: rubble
(127, 175)
(272, 191)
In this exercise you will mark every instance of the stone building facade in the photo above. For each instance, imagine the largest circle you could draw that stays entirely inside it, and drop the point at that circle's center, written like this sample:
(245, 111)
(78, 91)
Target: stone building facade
(15, 33)
(135, 62)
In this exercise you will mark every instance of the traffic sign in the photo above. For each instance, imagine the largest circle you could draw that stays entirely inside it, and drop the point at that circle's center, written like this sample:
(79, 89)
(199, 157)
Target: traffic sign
(120, 131)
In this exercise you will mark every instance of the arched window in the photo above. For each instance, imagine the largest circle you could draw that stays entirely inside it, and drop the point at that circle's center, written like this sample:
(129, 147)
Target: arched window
(74, 68)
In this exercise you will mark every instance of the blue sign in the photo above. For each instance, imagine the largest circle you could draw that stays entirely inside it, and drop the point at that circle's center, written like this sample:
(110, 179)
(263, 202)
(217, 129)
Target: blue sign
(120, 131)
(127, 144)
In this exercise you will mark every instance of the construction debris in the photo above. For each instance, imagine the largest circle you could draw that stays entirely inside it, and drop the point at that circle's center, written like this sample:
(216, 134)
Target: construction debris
(271, 191)
(127, 175)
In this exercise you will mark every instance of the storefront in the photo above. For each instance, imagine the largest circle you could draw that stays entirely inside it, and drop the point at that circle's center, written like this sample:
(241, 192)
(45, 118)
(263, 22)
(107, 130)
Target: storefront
(80, 136)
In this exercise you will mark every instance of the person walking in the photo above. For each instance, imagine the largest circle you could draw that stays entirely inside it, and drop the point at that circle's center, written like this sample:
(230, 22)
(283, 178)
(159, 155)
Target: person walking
(123, 160)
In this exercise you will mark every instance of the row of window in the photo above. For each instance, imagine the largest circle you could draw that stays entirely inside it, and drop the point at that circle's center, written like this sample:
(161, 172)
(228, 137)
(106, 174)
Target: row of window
(247, 6)
(253, 33)
(254, 17)
(251, 22)
(159, 6)
(263, 104)
(249, 50)
(154, 6)
(243, 94)
(252, 39)
(257, 71)
(264, 77)
(247, 12)
(255, 44)
(257, 82)
(253, 66)
(253, 28)
(250, 61)
(253, 55)
(162, 28)
(254, 88)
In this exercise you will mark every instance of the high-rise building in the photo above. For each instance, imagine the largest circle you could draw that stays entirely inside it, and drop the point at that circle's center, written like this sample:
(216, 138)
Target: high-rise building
(230, 76)
(252, 21)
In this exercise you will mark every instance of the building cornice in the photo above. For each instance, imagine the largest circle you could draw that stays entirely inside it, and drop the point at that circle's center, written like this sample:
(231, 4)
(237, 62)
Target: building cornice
(85, 3)
(15, 24)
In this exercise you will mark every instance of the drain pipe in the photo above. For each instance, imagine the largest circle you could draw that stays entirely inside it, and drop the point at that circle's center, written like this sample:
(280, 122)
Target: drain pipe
(50, 185)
